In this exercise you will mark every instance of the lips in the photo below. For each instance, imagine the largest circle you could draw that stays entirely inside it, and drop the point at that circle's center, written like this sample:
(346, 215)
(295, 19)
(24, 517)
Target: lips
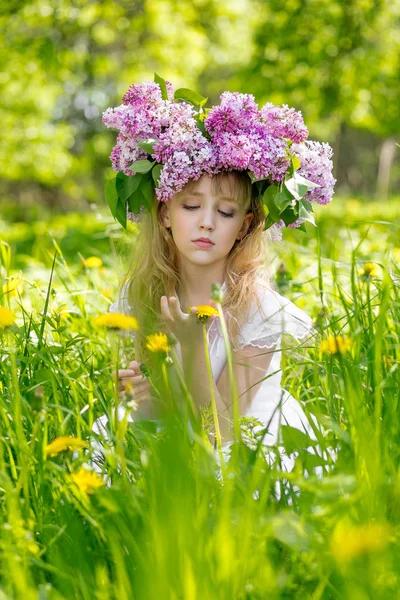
(203, 243)
(205, 240)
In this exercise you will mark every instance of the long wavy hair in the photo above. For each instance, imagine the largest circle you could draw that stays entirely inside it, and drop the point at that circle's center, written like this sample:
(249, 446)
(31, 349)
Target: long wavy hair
(154, 266)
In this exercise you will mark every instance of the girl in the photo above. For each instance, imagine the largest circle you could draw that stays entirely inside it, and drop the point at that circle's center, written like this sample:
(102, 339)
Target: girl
(210, 228)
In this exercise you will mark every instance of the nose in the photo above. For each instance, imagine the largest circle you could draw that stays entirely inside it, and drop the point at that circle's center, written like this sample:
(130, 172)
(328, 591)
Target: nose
(207, 219)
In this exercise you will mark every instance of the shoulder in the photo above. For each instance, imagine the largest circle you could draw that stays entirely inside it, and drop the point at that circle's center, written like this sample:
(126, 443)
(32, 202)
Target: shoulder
(270, 317)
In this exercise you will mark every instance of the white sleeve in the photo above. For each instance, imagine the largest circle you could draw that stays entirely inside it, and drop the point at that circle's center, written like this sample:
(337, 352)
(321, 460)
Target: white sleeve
(278, 317)
(121, 304)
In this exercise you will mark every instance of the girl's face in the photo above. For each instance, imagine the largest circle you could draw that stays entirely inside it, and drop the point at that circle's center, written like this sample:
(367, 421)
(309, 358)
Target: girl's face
(199, 212)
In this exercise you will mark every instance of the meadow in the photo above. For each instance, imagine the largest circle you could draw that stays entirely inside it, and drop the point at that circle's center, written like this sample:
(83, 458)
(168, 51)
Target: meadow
(160, 521)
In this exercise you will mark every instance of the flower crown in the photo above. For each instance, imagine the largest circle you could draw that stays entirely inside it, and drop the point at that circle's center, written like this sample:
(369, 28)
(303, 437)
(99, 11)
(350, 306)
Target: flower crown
(167, 138)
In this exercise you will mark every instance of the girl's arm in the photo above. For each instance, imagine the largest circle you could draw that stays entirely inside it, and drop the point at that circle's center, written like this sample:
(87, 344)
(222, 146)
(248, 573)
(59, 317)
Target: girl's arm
(250, 366)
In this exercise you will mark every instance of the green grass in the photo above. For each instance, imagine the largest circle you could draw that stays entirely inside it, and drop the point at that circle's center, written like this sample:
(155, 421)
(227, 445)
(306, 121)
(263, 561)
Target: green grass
(166, 526)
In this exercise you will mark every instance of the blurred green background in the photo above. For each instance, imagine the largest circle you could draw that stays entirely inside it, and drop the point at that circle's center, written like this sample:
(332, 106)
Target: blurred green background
(66, 61)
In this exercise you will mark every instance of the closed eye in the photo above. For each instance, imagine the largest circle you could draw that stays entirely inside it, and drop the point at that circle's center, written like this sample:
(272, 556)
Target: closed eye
(224, 214)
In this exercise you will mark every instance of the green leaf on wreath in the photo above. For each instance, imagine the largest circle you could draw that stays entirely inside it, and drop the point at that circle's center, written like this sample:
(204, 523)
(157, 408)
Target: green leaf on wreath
(310, 184)
(120, 214)
(142, 166)
(126, 185)
(289, 215)
(304, 214)
(295, 163)
(146, 189)
(147, 145)
(269, 221)
(163, 86)
(298, 186)
(112, 195)
(307, 205)
(269, 201)
(283, 199)
(156, 172)
(190, 97)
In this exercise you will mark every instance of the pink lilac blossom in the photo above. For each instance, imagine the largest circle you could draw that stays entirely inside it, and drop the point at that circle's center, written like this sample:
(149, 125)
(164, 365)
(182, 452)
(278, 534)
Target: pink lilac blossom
(233, 151)
(284, 122)
(296, 224)
(316, 166)
(270, 158)
(275, 233)
(235, 114)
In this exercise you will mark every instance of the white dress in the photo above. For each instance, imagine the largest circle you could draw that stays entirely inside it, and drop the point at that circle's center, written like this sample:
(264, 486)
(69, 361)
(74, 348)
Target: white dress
(264, 329)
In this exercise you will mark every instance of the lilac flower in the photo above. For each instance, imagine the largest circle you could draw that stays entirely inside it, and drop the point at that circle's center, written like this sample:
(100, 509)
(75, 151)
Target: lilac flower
(182, 168)
(125, 153)
(296, 224)
(274, 232)
(235, 114)
(284, 122)
(269, 159)
(233, 151)
(316, 166)
(147, 93)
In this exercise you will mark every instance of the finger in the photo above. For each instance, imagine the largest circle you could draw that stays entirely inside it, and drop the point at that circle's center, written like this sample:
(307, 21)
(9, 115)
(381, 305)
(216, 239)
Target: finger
(126, 373)
(134, 365)
(175, 308)
(134, 379)
(165, 309)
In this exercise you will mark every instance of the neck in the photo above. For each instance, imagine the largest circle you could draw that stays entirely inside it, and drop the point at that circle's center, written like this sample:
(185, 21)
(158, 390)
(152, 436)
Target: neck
(196, 283)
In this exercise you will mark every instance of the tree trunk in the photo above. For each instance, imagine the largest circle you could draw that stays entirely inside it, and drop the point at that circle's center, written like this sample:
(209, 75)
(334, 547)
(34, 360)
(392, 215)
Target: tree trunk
(386, 157)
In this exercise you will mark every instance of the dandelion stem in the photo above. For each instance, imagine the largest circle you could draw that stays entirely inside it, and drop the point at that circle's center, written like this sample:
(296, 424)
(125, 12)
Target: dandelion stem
(232, 380)
(213, 403)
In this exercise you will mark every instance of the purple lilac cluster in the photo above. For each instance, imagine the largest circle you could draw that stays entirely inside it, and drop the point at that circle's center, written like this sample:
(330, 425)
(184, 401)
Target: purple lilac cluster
(316, 166)
(243, 141)
(239, 136)
(143, 115)
(284, 122)
(183, 151)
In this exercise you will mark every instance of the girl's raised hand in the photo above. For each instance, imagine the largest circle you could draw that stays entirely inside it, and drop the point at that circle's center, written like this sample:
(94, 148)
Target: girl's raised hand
(183, 325)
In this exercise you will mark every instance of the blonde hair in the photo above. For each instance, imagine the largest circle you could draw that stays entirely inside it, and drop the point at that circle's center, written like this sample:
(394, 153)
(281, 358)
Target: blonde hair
(154, 270)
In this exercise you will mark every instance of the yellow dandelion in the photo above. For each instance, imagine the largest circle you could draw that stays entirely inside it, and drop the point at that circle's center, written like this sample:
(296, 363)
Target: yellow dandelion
(11, 286)
(350, 541)
(204, 311)
(335, 345)
(116, 321)
(93, 262)
(61, 444)
(87, 481)
(157, 342)
(369, 270)
(128, 387)
(7, 317)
